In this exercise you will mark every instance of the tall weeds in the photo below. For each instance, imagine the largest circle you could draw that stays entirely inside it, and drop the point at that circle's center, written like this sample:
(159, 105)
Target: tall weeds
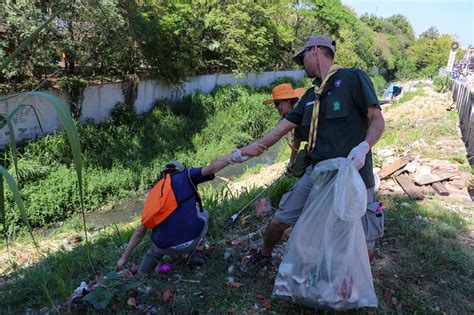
(124, 155)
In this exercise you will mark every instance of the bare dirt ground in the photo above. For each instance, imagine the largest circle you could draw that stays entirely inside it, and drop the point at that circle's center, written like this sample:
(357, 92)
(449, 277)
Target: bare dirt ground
(264, 177)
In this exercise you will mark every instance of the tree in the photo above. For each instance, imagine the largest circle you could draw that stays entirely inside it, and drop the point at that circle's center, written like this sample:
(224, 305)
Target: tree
(171, 48)
(247, 36)
(90, 33)
(430, 33)
(431, 51)
(402, 27)
(354, 41)
(21, 19)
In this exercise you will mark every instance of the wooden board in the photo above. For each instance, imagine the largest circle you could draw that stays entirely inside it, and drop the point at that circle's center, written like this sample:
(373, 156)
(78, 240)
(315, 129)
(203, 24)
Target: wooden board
(405, 181)
(433, 178)
(440, 189)
(392, 168)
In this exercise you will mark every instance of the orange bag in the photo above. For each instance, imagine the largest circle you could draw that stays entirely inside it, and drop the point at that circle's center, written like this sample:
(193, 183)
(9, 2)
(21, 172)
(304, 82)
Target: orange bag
(160, 203)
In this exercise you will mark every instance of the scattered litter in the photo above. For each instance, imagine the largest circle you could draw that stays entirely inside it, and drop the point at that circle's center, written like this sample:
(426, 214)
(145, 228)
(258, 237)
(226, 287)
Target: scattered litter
(410, 167)
(167, 296)
(80, 288)
(405, 204)
(164, 268)
(132, 302)
(421, 218)
(229, 252)
(386, 152)
(144, 290)
(191, 281)
(263, 206)
(234, 284)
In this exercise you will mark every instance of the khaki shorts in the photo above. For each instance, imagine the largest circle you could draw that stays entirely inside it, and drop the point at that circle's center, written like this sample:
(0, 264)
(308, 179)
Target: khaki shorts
(293, 202)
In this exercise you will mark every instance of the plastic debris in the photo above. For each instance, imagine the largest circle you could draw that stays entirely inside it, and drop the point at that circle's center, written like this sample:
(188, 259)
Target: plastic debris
(164, 268)
(80, 288)
(228, 253)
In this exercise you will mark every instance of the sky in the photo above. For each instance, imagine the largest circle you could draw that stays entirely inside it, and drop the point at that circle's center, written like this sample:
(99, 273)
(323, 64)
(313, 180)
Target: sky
(454, 17)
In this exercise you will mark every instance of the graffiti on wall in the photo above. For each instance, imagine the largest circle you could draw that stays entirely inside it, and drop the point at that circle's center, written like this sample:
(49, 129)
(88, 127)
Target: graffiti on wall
(24, 124)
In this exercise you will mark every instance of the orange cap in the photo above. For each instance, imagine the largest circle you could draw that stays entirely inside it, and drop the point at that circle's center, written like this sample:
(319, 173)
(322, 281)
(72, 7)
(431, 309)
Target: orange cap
(284, 91)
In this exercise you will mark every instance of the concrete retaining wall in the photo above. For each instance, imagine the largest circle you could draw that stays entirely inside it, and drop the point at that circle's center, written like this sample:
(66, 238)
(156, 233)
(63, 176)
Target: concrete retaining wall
(463, 96)
(99, 100)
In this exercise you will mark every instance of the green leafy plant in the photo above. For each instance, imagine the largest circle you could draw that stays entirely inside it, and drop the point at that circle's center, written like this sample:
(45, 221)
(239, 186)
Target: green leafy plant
(442, 83)
(379, 83)
(74, 87)
(122, 114)
(111, 287)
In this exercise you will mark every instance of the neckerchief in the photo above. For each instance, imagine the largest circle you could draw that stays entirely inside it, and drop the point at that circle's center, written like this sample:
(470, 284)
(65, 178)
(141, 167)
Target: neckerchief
(318, 90)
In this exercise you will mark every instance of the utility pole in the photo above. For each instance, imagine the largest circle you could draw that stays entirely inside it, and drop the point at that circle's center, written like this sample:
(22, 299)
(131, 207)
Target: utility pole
(452, 56)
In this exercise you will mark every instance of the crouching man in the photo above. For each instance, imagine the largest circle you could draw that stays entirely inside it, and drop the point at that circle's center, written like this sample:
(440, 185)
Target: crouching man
(178, 225)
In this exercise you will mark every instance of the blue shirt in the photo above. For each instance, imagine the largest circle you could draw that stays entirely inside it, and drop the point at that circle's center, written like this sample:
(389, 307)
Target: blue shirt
(183, 224)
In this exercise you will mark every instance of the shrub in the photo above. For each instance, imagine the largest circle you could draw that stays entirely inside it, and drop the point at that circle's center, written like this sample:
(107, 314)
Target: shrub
(379, 83)
(122, 114)
(442, 83)
(124, 154)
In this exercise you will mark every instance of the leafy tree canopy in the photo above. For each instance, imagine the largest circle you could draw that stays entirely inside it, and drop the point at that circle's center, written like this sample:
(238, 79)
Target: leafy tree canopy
(173, 40)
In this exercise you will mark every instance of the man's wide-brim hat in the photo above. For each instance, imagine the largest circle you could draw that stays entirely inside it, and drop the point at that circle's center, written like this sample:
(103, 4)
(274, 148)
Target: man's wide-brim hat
(284, 91)
(319, 40)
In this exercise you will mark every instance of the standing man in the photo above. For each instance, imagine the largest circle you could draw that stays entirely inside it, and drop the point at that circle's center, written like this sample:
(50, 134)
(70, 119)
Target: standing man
(347, 122)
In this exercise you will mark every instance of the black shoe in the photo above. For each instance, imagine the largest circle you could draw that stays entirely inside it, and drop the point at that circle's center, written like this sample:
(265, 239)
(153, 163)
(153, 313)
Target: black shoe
(197, 259)
(255, 264)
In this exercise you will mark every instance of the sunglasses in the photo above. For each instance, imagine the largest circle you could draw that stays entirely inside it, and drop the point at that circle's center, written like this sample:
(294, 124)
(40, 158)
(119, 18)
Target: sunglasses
(306, 50)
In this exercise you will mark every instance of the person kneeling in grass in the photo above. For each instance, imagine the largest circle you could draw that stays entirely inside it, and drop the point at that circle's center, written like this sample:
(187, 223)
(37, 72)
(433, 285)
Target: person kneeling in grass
(178, 225)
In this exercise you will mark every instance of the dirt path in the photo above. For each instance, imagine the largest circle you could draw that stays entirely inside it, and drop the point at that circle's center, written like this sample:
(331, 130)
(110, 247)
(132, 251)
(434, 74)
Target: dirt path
(264, 177)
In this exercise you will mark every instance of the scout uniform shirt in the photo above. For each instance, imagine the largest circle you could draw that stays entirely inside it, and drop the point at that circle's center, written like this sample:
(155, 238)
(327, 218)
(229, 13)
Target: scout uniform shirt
(342, 122)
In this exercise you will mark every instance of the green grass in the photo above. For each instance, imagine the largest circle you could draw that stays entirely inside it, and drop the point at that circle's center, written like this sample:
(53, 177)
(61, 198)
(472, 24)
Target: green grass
(58, 274)
(426, 266)
(431, 267)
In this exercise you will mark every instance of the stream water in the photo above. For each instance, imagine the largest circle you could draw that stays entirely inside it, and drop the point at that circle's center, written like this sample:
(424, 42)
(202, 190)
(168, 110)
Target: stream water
(129, 208)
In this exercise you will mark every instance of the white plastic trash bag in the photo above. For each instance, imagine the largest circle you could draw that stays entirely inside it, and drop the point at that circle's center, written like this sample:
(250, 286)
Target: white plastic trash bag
(326, 263)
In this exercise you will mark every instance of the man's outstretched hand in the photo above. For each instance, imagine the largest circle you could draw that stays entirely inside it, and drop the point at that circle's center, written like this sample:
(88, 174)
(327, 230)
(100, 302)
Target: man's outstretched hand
(254, 149)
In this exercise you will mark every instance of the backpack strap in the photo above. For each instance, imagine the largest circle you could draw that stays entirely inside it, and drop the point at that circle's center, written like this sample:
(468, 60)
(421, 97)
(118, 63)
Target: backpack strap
(198, 198)
(193, 193)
